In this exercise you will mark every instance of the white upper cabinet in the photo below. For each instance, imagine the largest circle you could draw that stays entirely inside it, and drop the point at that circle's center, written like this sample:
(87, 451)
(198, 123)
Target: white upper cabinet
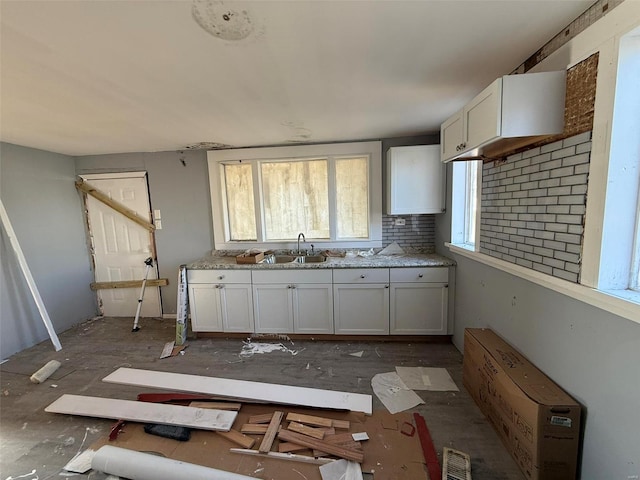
(415, 180)
(513, 106)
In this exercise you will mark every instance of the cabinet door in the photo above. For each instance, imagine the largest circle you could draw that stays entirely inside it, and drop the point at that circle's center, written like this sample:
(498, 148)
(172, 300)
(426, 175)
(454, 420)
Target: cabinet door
(204, 304)
(361, 309)
(451, 137)
(272, 308)
(482, 116)
(418, 308)
(415, 180)
(313, 308)
(236, 305)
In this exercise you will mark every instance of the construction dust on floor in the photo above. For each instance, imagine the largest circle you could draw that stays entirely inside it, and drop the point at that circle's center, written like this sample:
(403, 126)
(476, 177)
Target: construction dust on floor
(38, 444)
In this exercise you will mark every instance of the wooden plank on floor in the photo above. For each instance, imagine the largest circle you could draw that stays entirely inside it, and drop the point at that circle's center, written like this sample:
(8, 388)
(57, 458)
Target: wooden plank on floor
(254, 428)
(217, 405)
(344, 424)
(143, 412)
(284, 456)
(238, 438)
(310, 420)
(263, 418)
(270, 436)
(241, 389)
(288, 447)
(289, 436)
(306, 430)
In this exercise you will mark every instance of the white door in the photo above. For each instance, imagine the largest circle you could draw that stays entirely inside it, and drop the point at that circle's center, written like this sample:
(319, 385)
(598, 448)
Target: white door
(121, 246)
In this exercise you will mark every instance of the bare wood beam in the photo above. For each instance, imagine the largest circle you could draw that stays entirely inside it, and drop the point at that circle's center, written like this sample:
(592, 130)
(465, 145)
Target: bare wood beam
(160, 282)
(117, 206)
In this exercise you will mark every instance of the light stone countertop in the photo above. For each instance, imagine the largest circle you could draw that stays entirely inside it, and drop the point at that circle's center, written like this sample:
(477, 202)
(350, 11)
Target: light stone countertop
(215, 262)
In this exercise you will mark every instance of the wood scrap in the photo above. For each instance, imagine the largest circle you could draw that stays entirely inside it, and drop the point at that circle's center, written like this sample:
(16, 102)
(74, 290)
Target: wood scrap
(283, 456)
(344, 424)
(306, 430)
(255, 429)
(309, 420)
(339, 438)
(272, 430)
(264, 418)
(348, 454)
(238, 438)
(287, 447)
(217, 405)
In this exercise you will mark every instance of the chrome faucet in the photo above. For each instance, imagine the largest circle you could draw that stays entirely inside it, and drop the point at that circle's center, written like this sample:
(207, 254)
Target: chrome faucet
(303, 239)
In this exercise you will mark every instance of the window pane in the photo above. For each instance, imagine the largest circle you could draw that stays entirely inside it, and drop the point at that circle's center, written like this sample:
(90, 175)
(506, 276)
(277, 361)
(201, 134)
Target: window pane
(240, 204)
(352, 197)
(471, 206)
(295, 199)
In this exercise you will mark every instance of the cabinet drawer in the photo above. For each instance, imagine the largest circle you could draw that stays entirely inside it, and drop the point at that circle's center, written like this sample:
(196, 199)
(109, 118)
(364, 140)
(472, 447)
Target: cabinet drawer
(361, 275)
(291, 276)
(218, 276)
(420, 274)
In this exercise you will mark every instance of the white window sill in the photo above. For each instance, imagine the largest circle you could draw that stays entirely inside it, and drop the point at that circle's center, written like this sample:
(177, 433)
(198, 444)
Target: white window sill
(625, 303)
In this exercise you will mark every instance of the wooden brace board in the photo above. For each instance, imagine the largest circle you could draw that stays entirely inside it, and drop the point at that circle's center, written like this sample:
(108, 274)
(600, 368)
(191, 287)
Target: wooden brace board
(143, 412)
(160, 282)
(241, 389)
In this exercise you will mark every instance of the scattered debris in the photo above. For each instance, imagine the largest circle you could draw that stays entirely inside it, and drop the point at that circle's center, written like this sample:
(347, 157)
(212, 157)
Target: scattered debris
(341, 470)
(424, 378)
(81, 463)
(249, 349)
(45, 372)
(393, 393)
(171, 350)
(357, 354)
(360, 436)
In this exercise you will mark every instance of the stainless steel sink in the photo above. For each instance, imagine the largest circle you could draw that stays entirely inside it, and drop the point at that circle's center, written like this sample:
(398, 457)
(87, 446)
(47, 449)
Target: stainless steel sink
(311, 259)
(295, 259)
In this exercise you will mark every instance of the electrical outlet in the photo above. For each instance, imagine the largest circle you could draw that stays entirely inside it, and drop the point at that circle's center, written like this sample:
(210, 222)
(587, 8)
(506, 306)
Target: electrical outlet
(400, 222)
(156, 214)
(158, 224)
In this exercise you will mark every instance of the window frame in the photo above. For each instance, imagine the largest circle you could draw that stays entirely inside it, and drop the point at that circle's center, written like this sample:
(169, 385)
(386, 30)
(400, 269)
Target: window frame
(462, 197)
(217, 158)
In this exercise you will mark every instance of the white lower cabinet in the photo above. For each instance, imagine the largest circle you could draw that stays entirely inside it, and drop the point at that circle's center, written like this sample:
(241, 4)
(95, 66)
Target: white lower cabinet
(293, 301)
(220, 300)
(361, 301)
(419, 299)
(349, 301)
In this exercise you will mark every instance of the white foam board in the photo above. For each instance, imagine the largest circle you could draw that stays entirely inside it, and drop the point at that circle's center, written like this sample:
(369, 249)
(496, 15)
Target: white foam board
(241, 389)
(201, 418)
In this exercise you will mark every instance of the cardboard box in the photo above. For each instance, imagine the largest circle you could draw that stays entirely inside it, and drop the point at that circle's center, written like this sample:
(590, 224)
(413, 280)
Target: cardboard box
(250, 257)
(538, 422)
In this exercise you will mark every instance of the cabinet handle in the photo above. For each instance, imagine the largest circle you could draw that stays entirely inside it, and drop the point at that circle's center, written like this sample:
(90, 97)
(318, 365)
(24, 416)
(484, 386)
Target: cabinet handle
(220, 277)
(293, 287)
(420, 275)
(362, 276)
(386, 286)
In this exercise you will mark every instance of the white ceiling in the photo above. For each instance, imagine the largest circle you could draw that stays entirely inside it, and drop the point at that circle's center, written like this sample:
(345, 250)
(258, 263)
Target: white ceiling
(92, 77)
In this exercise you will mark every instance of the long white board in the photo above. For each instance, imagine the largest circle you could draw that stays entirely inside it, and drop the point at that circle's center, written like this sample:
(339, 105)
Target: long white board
(201, 418)
(241, 389)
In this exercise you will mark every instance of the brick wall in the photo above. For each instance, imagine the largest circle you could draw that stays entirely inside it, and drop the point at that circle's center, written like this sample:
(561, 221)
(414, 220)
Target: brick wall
(419, 233)
(533, 206)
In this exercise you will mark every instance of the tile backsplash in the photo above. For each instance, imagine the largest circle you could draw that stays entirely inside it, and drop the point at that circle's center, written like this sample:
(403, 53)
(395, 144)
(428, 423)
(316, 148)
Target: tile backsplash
(533, 207)
(418, 233)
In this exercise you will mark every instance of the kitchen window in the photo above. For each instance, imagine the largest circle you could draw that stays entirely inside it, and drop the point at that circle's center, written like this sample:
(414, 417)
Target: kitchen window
(465, 216)
(265, 197)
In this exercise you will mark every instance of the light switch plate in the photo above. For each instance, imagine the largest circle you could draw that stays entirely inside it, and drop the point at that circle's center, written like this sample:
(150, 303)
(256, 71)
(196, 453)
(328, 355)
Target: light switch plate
(400, 222)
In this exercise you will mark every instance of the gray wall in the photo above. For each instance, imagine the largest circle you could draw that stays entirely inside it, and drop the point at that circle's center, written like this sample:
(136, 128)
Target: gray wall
(179, 188)
(592, 354)
(37, 190)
